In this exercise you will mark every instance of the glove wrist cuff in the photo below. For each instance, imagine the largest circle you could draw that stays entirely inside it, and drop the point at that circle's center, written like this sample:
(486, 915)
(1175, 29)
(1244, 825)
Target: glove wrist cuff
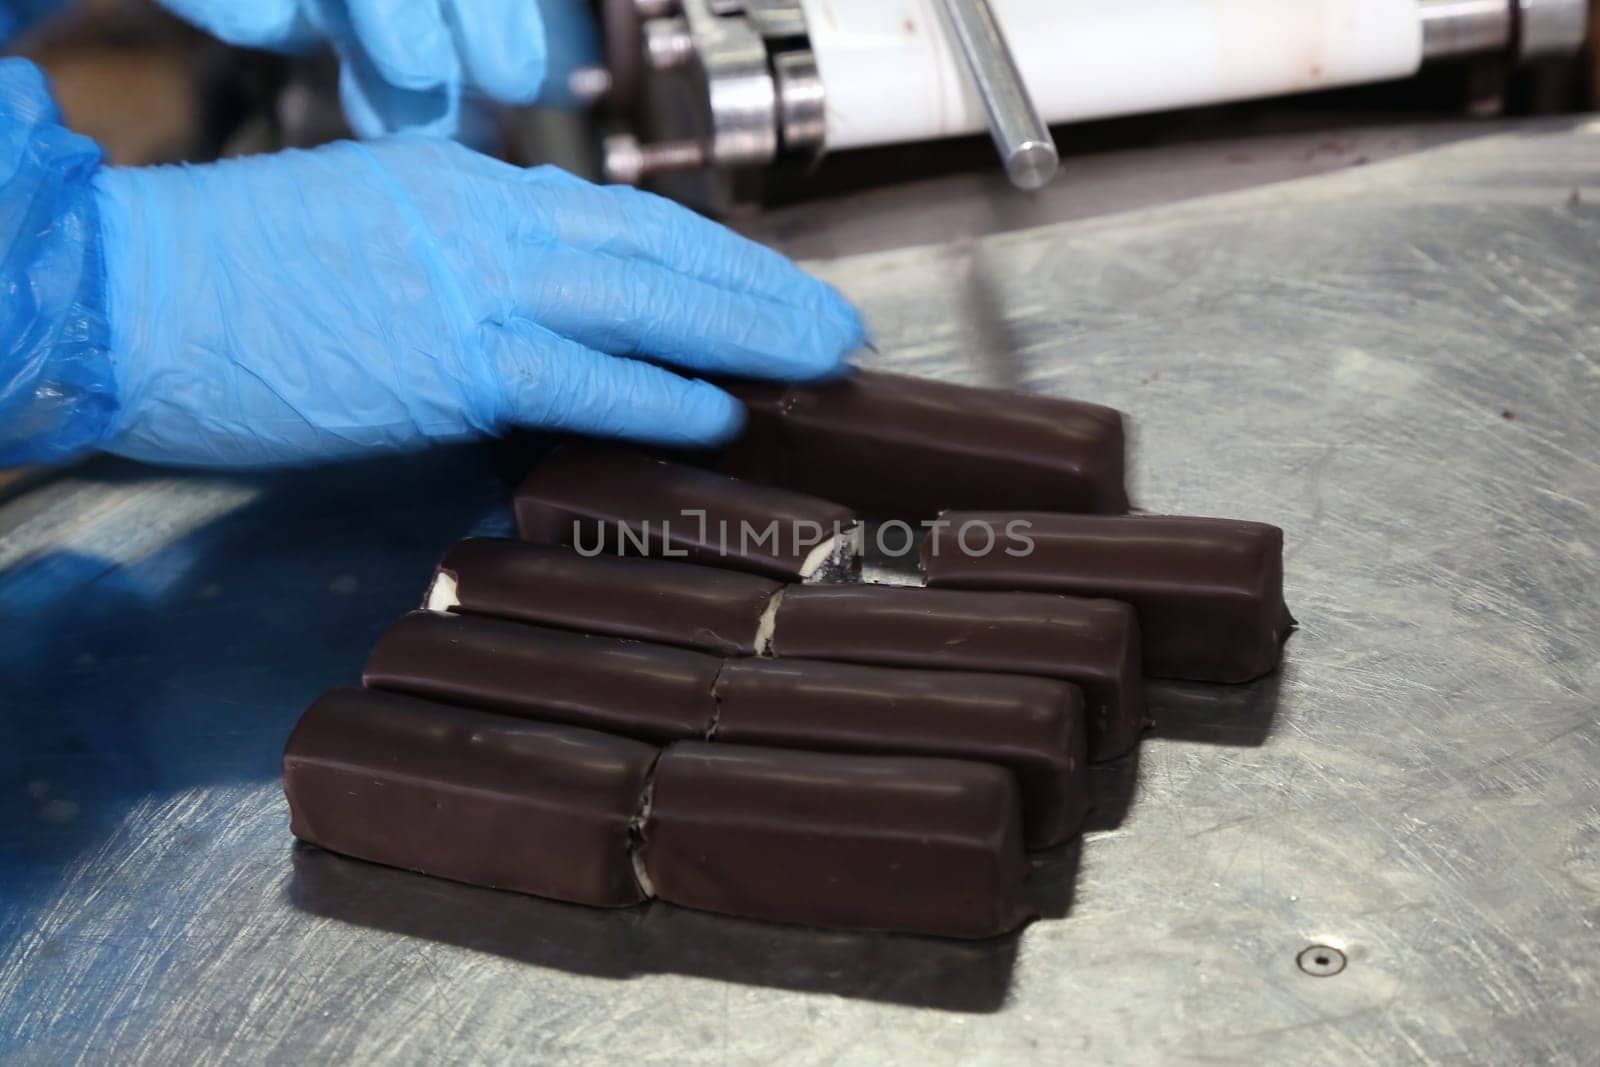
(56, 389)
(131, 209)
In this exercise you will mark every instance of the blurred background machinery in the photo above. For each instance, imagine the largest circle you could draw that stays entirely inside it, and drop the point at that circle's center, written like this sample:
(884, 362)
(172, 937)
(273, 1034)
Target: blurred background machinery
(730, 104)
(763, 99)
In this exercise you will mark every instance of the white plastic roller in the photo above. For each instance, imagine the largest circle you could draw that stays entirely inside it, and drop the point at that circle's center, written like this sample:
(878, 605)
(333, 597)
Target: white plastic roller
(890, 73)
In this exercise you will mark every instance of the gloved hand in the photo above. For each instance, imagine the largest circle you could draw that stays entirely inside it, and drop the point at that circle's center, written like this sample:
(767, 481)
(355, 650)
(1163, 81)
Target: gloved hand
(404, 63)
(361, 297)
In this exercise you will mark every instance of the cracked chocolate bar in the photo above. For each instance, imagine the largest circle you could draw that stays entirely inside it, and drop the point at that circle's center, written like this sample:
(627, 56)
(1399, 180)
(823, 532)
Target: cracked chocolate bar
(659, 694)
(928, 846)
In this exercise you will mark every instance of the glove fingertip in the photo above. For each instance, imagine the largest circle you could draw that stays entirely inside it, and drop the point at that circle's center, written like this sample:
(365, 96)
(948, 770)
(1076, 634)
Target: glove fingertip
(414, 54)
(842, 310)
(710, 415)
(505, 50)
(842, 335)
(818, 366)
(516, 84)
(278, 25)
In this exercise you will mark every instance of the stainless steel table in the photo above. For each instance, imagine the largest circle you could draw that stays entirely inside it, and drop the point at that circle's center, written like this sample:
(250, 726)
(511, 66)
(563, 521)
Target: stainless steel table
(1397, 363)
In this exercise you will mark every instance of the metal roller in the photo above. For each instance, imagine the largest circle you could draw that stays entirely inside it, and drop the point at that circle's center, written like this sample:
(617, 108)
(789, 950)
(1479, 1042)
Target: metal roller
(778, 78)
(1020, 134)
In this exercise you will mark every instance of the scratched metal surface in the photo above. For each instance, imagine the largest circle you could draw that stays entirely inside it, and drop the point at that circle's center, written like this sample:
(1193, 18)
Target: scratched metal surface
(1396, 363)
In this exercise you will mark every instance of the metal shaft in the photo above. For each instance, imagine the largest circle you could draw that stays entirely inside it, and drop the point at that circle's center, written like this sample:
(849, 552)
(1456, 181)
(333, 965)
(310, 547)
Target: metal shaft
(1020, 134)
(1464, 27)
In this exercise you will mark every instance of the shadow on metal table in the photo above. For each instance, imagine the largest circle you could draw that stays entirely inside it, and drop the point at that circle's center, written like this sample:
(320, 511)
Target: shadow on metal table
(163, 630)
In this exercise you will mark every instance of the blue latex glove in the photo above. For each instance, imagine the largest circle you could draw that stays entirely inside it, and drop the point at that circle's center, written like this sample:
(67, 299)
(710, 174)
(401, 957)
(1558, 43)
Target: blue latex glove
(405, 63)
(57, 395)
(359, 298)
(355, 298)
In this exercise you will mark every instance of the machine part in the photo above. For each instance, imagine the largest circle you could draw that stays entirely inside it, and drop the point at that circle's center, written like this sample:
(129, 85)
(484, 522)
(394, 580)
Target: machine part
(1547, 28)
(802, 106)
(1540, 29)
(1464, 27)
(739, 88)
(1020, 135)
(774, 20)
(627, 162)
(589, 84)
(824, 75)
(892, 75)
(668, 44)
(1321, 961)
(623, 48)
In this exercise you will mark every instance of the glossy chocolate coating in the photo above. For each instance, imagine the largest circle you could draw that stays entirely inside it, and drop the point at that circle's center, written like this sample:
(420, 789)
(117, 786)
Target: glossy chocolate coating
(462, 794)
(927, 846)
(908, 448)
(755, 454)
(1031, 726)
(1092, 643)
(589, 496)
(1209, 592)
(706, 608)
(651, 692)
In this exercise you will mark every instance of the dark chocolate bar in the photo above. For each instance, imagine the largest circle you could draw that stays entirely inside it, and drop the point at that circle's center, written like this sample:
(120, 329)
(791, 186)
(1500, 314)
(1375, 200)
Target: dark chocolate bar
(612, 501)
(651, 692)
(1032, 726)
(908, 448)
(466, 795)
(705, 608)
(1209, 592)
(755, 455)
(865, 842)
(927, 846)
(1091, 643)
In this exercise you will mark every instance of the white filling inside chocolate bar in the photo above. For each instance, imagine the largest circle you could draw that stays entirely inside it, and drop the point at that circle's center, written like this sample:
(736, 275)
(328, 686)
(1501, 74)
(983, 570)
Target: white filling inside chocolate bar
(834, 558)
(768, 624)
(442, 593)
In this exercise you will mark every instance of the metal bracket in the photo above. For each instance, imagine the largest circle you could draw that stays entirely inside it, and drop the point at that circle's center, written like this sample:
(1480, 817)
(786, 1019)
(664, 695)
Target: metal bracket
(732, 56)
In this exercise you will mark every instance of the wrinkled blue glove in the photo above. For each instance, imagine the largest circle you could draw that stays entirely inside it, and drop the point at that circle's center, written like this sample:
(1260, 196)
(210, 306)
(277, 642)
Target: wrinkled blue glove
(57, 394)
(404, 63)
(362, 297)
(359, 298)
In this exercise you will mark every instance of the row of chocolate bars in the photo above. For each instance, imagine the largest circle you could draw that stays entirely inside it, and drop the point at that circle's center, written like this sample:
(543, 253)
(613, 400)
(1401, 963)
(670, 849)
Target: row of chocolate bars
(743, 728)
